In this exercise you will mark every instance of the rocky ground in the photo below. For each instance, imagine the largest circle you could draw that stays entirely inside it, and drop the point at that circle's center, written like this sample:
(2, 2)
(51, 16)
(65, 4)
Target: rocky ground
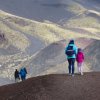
(55, 87)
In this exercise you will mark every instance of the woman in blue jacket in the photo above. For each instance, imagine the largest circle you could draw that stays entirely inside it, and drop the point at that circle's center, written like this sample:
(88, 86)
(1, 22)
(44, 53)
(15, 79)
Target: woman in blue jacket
(71, 48)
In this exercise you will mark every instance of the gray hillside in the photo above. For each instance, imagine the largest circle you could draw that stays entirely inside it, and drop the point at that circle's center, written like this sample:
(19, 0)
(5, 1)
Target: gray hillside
(52, 59)
(48, 58)
(52, 10)
(92, 53)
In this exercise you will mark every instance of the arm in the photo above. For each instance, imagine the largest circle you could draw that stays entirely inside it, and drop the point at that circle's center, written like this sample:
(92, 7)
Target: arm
(76, 49)
(66, 49)
(83, 56)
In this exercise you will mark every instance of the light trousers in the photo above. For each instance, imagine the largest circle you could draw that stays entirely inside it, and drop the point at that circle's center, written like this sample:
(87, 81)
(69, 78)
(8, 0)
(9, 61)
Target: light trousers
(80, 67)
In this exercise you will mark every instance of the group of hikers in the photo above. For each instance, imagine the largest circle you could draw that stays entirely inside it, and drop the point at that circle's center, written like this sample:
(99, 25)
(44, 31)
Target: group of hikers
(74, 54)
(20, 74)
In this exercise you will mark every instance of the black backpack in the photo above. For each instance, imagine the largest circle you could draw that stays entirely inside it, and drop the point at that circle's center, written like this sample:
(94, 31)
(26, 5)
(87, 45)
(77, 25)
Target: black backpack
(69, 51)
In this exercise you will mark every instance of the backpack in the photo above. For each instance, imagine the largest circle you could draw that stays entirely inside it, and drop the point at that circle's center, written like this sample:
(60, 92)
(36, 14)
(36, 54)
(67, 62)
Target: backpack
(25, 70)
(69, 51)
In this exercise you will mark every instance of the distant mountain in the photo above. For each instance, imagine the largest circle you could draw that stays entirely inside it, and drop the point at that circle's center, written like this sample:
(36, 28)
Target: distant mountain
(52, 10)
(93, 55)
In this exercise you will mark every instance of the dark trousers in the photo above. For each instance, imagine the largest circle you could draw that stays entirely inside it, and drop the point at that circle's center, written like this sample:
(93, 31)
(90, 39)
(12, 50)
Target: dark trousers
(71, 63)
(23, 77)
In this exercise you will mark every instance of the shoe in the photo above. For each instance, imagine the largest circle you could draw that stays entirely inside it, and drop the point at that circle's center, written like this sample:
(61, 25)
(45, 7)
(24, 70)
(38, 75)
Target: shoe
(81, 73)
(72, 75)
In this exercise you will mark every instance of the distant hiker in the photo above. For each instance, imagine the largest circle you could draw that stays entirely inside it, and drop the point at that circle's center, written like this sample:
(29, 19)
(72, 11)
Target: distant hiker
(71, 51)
(23, 73)
(80, 59)
(17, 77)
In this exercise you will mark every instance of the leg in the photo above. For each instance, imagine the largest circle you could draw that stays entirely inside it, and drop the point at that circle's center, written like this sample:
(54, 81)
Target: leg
(16, 79)
(69, 66)
(73, 62)
(81, 68)
(22, 78)
(78, 67)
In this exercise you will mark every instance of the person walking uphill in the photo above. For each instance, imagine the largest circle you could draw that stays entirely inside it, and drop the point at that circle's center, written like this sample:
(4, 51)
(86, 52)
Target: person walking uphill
(16, 74)
(23, 73)
(71, 52)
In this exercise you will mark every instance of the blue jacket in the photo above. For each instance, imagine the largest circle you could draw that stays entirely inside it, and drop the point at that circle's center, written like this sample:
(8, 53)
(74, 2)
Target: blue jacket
(23, 73)
(74, 48)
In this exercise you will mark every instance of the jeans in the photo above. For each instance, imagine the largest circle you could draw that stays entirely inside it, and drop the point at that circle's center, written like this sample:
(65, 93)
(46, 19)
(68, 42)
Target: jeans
(71, 63)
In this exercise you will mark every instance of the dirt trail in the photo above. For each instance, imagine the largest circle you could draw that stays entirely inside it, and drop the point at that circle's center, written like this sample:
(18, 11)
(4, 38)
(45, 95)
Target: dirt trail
(55, 87)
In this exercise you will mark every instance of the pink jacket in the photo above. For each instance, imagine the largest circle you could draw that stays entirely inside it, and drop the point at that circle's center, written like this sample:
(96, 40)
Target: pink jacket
(80, 57)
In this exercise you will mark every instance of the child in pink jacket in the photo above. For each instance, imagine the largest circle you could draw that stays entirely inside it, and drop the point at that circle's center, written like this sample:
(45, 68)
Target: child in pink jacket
(80, 60)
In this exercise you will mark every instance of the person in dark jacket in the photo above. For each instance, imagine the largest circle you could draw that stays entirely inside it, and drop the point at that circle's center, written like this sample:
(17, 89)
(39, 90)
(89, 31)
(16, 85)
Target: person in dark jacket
(17, 77)
(71, 58)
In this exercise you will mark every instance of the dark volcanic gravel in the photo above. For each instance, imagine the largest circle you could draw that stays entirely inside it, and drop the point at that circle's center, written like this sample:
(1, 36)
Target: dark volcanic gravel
(55, 87)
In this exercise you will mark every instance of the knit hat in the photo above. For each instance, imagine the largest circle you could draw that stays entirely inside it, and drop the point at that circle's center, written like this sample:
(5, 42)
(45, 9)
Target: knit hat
(71, 42)
(79, 49)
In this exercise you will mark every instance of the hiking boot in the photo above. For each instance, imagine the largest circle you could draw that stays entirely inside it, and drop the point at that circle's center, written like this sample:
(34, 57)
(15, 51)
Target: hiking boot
(81, 73)
(72, 75)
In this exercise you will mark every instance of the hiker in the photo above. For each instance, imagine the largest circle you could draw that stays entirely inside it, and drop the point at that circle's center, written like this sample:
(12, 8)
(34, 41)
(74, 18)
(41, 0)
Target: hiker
(23, 73)
(16, 74)
(80, 59)
(71, 51)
